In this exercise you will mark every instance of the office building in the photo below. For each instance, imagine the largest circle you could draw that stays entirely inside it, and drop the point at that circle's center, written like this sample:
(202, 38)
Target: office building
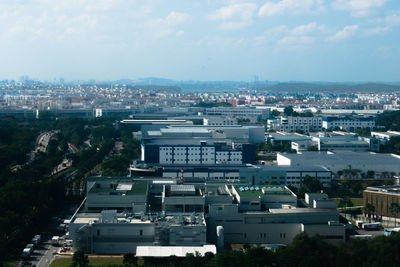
(348, 122)
(383, 164)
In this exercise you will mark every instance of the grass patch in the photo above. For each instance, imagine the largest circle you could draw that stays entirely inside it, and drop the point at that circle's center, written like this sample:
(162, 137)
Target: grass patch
(9, 263)
(93, 261)
(357, 201)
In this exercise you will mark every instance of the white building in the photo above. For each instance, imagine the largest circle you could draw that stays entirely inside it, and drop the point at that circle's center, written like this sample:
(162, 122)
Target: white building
(336, 161)
(183, 155)
(240, 112)
(219, 120)
(305, 124)
(349, 122)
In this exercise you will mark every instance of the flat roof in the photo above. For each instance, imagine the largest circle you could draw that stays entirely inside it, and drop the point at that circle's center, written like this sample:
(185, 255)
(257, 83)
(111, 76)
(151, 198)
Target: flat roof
(132, 188)
(288, 168)
(345, 157)
(317, 194)
(167, 251)
(260, 190)
(300, 210)
(386, 189)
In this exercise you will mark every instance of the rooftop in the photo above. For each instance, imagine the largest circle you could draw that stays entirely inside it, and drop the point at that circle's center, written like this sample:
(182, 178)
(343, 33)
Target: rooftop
(343, 157)
(258, 191)
(317, 194)
(388, 189)
(129, 188)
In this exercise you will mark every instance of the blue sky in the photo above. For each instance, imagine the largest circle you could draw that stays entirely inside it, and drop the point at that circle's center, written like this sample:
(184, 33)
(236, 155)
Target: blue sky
(308, 40)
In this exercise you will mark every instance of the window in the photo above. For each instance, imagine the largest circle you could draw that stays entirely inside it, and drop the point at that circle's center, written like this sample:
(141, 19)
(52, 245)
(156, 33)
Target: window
(98, 232)
(141, 232)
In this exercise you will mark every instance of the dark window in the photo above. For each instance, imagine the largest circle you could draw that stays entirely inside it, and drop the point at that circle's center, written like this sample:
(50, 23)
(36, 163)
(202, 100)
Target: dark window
(141, 232)
(98, 232)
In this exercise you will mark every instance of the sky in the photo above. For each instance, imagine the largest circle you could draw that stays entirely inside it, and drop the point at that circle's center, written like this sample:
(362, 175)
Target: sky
(303, 40)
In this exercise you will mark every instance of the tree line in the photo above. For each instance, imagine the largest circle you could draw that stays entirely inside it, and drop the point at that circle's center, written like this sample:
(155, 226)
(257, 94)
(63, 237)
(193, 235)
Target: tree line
(303, 251)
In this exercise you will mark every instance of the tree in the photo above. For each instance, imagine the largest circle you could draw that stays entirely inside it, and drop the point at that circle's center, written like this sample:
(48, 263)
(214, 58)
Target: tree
(371, 174)
(275, 113)
(288, 111)
(369, 209)
(394, 209)
(129, 259)
(310, 185)
(79, 259)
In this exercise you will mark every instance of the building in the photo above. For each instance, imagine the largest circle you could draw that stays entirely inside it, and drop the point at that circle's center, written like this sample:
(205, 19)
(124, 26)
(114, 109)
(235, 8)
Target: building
(202, 173)
(193, 217)
(348, 122)
(382, 197)
(256, 219)
(384, 165)
(281, 138)
(284, 175)
(116, 193)
(293, 124)
(385, 137)
(347, 143)
(110, 232)
(198, 154)
(219, 121)
(197, 134)
(201, 145)
(252, 113)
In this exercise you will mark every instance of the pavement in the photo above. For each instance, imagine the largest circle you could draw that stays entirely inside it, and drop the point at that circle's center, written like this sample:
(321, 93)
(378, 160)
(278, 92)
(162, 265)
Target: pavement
(45, 252)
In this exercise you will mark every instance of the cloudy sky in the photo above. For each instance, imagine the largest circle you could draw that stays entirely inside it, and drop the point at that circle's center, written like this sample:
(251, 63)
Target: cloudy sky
(308, 40)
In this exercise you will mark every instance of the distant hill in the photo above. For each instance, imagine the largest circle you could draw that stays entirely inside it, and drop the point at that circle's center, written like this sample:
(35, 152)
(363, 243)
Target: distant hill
(341, 87)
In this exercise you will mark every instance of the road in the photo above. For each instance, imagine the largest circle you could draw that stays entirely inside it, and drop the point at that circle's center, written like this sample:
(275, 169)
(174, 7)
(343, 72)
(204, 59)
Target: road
(45, 252)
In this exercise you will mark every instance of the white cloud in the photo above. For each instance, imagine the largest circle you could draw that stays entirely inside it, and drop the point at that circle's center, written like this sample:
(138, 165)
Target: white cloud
(376, 30)
(176, 18)
(307, 28)
(271, 8)
(384, 25)
(347, 32)
(286, 38)
(235, 16)
(359, 8)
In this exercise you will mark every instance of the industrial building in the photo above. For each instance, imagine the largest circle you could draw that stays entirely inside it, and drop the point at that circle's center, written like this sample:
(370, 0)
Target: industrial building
(192, 217)
(284, 175)
(198, 154)
(200, 145)
(252, 113)
(219, 121)
(293, 124)
(382, 197)
(348, 122)
(383, 164)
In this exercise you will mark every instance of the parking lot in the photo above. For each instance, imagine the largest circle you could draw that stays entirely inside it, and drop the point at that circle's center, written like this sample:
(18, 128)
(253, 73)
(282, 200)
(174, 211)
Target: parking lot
(44, 253)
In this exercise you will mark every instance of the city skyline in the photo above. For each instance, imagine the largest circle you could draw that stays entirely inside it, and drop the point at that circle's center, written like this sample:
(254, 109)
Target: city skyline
(305, 40)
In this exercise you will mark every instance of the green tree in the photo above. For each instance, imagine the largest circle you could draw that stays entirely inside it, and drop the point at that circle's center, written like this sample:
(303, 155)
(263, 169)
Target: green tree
(394, 210)
(129, 259)
(288, 111)
(310, 185)
(79, 259)
(369, 209)
(275, 113)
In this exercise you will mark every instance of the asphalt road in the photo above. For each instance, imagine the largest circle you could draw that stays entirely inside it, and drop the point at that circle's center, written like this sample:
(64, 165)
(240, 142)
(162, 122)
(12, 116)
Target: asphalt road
(45, 252)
